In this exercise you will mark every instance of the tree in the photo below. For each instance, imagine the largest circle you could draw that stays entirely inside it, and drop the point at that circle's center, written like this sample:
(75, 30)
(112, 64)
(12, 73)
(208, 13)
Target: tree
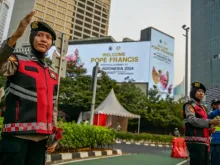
(158, 114)
(75, 94)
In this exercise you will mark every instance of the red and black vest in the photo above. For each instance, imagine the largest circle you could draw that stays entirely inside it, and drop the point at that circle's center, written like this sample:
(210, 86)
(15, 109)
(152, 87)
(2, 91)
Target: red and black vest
(30, 96)
(192, 133)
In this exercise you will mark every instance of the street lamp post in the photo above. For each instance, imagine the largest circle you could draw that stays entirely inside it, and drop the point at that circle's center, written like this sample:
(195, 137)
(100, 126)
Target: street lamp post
(186, 61)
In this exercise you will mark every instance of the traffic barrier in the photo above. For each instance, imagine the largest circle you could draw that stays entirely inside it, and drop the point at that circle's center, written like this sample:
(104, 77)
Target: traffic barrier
(179, 149)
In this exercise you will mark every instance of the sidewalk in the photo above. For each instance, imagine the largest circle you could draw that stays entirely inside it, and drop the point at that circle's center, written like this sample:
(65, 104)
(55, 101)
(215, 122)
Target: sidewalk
(81, 155)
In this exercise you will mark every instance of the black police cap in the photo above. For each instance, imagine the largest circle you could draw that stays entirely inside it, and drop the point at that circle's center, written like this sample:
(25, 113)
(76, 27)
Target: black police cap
(198, 85)
(215, 101)
(42, 26)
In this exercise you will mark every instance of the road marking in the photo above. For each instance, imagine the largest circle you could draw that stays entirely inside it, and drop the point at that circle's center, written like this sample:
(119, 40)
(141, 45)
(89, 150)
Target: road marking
(181, 163)
(74, 161)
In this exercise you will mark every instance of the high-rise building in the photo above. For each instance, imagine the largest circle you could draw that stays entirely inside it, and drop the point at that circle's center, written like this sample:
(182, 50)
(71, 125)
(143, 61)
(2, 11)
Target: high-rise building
(178, 91)
(76, 18)
(205, 42)
(4, 8)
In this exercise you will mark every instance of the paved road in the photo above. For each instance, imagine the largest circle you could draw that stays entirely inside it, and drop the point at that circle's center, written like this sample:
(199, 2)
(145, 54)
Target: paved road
(136, 155)
(134, 159)
(133, 148)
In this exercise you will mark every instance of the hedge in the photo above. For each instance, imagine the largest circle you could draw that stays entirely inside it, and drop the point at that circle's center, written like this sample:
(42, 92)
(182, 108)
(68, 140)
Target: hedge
(144, 137)
(76, 136)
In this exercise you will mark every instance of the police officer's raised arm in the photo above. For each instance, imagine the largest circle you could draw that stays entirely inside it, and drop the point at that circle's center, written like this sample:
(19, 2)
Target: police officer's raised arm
(198, 122)
(8, 63)
(21, 28)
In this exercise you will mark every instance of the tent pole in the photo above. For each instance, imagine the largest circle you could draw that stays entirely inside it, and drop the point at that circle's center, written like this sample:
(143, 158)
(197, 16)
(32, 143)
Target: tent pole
(98, 119)
(139, 122)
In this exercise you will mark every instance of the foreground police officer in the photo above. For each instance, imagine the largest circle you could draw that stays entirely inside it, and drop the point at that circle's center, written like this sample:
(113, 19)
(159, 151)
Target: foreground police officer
(30, 96)
(197, 126)
(215, 140)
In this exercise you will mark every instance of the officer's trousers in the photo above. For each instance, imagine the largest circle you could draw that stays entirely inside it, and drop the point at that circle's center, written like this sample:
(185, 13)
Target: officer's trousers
(16, 151)
(215, 154)
(198, 153)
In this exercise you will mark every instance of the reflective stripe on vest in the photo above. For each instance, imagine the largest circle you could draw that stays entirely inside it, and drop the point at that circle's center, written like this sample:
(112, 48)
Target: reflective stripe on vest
(196, 139)
(23, 93)
(217, 128)
(34, 126)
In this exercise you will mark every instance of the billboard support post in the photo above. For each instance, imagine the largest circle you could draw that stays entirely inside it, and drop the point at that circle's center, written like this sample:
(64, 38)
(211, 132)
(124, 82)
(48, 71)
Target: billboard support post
(96, 68)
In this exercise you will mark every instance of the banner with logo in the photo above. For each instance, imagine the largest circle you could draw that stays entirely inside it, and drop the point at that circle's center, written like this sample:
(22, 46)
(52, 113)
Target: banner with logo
(161, 74)
(129, 60)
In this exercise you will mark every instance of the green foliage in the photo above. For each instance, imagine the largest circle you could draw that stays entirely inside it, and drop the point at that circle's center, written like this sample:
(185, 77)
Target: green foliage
(77, 136)
(75, 89)
(1, 122)
(144, 137)
(156, 113)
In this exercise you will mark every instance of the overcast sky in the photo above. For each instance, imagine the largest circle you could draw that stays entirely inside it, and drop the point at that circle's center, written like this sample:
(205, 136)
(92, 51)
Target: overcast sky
(129, 17)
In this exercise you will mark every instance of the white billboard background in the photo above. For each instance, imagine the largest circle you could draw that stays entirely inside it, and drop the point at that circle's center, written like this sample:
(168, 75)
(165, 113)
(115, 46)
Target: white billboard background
(118, 60)
(161, 68)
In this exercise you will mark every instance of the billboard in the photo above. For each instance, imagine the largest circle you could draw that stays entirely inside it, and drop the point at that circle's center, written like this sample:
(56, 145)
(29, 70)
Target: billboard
(161, 71)
(119, 60)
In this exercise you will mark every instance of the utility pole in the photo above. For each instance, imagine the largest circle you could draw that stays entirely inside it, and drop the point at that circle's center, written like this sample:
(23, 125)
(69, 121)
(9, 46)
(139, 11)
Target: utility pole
(94, 84)
(186, 61)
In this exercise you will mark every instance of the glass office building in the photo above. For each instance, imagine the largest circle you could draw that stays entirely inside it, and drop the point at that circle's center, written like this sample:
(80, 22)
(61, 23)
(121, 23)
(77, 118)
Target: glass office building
(205, 42)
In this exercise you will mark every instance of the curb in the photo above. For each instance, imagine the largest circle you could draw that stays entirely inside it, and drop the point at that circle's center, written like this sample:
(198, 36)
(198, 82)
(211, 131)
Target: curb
(146, 144)
(81, 155)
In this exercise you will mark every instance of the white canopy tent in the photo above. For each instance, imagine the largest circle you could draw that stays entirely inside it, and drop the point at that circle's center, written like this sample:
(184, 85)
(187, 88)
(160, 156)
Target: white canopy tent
(111, 107)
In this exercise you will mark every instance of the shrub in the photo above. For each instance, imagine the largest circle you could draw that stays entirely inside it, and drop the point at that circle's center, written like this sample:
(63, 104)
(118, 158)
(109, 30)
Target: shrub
(144, 137)
(77, 136)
